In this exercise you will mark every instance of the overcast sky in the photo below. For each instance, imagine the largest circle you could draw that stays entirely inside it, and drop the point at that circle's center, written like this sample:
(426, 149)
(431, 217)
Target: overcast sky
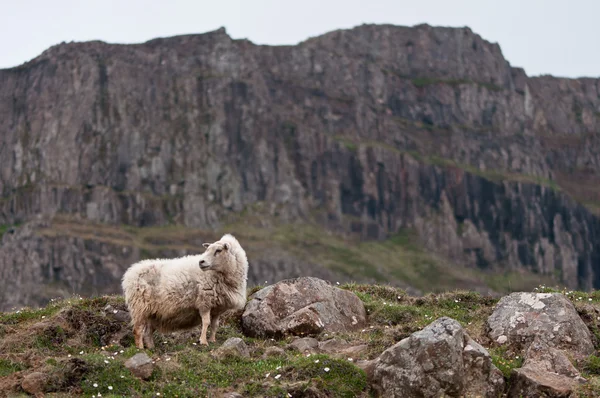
(544, 36)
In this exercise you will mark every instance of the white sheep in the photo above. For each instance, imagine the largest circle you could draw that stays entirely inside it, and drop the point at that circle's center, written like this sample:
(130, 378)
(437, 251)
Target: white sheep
(180, 293)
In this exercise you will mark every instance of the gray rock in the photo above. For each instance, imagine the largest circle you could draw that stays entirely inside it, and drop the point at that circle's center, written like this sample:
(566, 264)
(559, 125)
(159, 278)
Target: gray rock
(305, 344)
(119, 315)
(546, 372)
(550, 317)
(274, 351)
(532, 382)
(140, 365)
(233, 346)
(302, 306)
(333, 345)
(440, 359)
(35, 383)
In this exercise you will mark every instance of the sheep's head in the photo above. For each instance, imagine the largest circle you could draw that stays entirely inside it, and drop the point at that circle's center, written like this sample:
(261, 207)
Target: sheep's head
(215, 256)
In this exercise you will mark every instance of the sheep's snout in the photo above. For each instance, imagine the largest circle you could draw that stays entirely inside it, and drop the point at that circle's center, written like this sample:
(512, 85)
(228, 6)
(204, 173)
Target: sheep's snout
(203, 264)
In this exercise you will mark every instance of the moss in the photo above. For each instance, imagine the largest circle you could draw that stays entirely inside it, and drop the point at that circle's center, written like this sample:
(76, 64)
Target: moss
(347, 143)
(427, 81)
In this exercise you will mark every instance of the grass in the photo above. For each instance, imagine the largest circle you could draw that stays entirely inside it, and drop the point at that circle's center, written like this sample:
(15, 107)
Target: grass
(426, 81)
(435, 160)
(401, 259)
(60, 346)
(7, 367)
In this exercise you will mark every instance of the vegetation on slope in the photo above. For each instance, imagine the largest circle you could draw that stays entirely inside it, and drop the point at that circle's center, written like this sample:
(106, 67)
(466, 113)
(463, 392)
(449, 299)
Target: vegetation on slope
(82, 348)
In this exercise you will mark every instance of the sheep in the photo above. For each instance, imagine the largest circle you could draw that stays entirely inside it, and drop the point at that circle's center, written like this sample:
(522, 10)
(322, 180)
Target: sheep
(180, 293)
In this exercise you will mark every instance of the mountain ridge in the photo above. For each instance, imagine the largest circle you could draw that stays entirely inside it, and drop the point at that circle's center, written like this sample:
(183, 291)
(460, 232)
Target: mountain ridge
(364, 132)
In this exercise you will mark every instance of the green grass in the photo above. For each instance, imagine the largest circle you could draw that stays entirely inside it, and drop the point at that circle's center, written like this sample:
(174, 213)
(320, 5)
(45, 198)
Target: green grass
(349, 144)
(187, 370)
(7, 367)
(505, 361)
(6, 227)
(427, 81)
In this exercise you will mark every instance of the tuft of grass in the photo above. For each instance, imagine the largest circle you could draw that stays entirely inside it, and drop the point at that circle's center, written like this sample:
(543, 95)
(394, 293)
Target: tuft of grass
(505, 360)
(7, 367)
(592, 365)
(350, 145)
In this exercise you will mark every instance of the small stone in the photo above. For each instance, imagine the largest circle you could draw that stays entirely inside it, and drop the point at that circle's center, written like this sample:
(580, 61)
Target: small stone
(502, 339)
(305, 344)
(274, 352)
(140, 365)
(233, 346)
(35, 383)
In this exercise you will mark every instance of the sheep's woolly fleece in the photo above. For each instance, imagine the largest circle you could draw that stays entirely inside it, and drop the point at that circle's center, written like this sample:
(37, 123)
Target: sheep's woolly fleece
(181, 293)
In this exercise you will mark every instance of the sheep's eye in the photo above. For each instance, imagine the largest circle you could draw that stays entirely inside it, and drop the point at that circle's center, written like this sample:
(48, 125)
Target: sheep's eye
(217, 251)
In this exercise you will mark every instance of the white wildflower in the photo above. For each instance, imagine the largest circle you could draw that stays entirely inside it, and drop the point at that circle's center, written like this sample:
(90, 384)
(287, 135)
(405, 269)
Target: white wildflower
(277, 377)
(110, 387)
(95, 385)
(317, 361)
(326, 369)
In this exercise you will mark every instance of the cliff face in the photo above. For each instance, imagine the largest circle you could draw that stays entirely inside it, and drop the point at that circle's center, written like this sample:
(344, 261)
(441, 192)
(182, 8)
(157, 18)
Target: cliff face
(365, 132)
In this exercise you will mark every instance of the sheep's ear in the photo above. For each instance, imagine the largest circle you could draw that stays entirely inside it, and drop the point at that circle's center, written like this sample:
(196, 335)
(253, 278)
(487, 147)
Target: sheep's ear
(205, 245)
(226, 246)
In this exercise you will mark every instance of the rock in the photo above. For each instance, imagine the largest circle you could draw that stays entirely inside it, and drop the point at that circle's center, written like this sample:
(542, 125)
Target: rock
(233, 346)
(549, 359)
(232, 395)
(305, 344)
(333, 144)
(546, 372)
(550, 317)
(531, 382)
(119, 315)
(440, 359)
(274, 351)
(368, 366)
(333, 345)
(302, 306)
(140, 365)
(35, 383)
(356, 350)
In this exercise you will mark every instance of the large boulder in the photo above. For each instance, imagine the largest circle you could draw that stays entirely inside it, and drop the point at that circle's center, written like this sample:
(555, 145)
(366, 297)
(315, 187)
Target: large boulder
(439, 360)
(550, 317)
(302, 306)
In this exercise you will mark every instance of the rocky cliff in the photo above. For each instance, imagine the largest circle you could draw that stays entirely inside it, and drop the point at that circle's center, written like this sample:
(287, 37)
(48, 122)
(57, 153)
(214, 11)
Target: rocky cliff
(111, 153)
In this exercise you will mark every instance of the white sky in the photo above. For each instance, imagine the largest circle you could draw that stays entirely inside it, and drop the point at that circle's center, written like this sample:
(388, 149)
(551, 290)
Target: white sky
(543, 36)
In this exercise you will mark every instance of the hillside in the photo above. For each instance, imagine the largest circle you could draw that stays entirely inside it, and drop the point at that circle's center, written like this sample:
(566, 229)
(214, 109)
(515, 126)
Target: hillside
(412, 155)
(80, 346)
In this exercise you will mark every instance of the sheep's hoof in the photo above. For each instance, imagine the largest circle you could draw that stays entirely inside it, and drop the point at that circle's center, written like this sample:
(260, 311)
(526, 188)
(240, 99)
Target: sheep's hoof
(204, 343)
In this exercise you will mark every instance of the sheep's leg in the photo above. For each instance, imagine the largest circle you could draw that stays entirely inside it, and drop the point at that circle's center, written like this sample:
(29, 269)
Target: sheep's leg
(205, 321)
(148, 338)
(214, 325)
(138, 334)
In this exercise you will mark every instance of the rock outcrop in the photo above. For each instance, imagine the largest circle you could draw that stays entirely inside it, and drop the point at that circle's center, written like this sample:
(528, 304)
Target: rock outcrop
(549, 318)
(547, 330)
(440, 360)
(302, 306)
(364, 131)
